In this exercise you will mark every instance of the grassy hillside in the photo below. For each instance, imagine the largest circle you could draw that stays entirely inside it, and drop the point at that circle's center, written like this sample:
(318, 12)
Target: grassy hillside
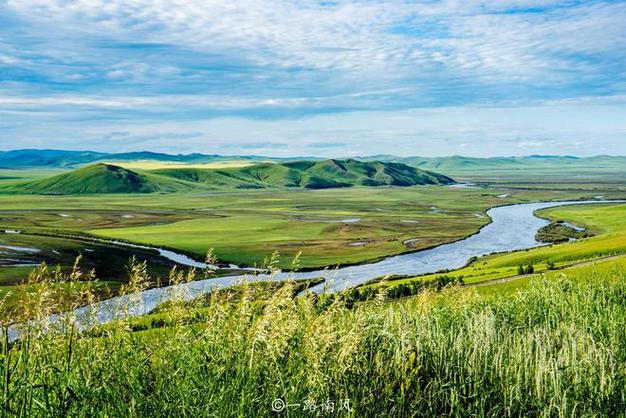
(98, 178)
(554, 349)
(109, 178)
(310, 175)
(574, 171)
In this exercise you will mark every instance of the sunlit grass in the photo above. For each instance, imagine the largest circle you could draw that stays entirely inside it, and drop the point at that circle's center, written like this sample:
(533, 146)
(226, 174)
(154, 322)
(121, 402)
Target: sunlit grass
(554, 349)
(156, 165)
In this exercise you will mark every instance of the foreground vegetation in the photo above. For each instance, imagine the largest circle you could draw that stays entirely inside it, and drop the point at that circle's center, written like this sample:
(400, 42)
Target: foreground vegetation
(554, 349)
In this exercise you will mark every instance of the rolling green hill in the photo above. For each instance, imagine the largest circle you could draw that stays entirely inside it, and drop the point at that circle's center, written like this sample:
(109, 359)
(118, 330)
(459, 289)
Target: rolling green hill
(541, 167)
(310, 175)
(109, 178)
(98, 178)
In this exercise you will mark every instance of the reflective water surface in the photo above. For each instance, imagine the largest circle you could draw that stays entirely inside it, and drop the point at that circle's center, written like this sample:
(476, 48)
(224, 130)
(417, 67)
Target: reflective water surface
(512, 228)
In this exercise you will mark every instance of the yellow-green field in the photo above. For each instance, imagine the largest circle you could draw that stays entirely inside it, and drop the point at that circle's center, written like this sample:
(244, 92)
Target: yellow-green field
(157, 165)
(9, 176)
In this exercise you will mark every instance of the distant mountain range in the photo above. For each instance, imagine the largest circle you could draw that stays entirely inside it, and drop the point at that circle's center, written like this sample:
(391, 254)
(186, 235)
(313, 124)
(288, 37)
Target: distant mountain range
(458, 163)
(30, 158)
(33, 158)
(109, 178)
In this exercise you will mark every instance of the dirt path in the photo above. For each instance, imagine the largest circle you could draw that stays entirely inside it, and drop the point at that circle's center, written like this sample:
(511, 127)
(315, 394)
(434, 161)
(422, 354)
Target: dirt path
(522, 276)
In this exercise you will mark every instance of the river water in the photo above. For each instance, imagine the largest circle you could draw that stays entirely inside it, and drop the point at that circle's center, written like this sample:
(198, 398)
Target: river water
(512, 228)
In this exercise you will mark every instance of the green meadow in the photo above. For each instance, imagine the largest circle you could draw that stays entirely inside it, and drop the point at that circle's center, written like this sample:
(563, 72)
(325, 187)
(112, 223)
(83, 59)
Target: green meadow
(330, 227)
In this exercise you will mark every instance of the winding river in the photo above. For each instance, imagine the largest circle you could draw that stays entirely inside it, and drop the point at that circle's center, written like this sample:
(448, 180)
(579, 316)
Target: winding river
(512, 228)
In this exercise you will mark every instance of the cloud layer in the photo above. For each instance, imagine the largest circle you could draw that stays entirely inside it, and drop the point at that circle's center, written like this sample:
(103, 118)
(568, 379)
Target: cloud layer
(314, 77)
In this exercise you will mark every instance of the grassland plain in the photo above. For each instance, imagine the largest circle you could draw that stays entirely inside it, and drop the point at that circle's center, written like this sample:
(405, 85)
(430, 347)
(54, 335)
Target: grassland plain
(553, 349)
(12, 176)
(358, 227)
(599, 175)
(330, 227)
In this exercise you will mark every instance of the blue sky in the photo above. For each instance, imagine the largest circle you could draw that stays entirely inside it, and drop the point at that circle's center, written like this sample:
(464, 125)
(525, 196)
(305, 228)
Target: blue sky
(325, 78)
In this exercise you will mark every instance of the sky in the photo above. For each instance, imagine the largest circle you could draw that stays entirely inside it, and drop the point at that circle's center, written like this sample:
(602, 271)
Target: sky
(321, 78)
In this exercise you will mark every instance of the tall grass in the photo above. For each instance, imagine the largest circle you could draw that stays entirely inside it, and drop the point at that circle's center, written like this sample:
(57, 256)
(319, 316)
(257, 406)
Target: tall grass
(556, 349)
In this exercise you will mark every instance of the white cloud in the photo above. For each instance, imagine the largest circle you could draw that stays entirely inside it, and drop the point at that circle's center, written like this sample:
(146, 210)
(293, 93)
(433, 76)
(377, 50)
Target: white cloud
(224, 102)
(465, 74)
(358, 36)
(52, 102)
(531, 144)
(9, 60)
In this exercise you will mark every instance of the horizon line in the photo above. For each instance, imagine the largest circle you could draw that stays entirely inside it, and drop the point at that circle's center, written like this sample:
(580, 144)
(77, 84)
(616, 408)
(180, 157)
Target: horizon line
(304, 156)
